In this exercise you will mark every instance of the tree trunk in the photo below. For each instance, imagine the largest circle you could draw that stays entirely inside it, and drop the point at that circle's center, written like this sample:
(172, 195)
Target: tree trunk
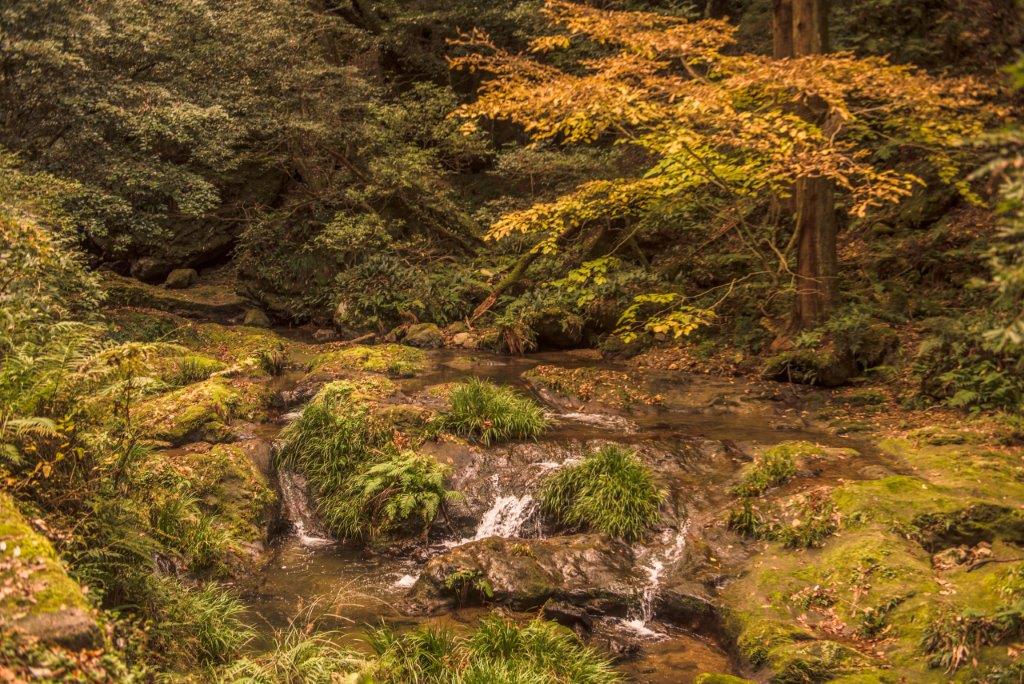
(782, 29)
(814, 198)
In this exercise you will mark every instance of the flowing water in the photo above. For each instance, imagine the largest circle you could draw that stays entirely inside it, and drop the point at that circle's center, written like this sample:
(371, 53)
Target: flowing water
(690, 443)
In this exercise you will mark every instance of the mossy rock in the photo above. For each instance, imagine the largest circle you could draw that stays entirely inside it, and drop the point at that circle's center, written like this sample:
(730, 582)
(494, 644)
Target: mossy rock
(424, 336)
(229, 486)
(824, 367)
(201, 411)
(394, 360)
(218, 302)
(719, 678)
(37, 598)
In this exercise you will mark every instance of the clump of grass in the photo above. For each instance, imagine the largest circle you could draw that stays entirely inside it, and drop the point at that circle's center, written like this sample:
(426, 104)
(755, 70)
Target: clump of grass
(491, 413)
(295, 657)
(610, 491)
(775, 467)
(498, 651)
(205, 624)
(192, 368)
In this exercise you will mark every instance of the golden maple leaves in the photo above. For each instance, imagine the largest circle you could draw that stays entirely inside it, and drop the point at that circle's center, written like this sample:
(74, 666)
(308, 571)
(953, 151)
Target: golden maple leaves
(735, 123)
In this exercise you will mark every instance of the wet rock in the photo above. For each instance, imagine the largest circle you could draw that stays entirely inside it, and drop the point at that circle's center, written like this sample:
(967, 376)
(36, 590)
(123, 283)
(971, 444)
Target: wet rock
(325, 335)
(256, 319)
(150, 269)
(424, 336)
(181, 278)
(573, 617)
(619, 646)
(464, 340)
(688, 605)
(585, 570)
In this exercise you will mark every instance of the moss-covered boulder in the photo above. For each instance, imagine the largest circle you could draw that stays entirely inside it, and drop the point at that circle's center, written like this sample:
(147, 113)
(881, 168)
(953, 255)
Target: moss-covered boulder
(201, 411)
(229, 488)
(903, 592)
(424, 336)
(394, 360)
(37, 598)
(525, 573)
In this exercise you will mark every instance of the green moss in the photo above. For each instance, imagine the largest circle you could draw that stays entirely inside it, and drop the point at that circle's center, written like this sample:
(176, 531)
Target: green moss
(229, 487)
(30, 570)
(201, 410)
(775, 467)
(718, 678)
(394, 360)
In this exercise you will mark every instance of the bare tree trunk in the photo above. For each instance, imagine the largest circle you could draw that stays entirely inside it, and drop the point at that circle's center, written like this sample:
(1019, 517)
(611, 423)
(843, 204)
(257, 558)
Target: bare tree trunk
(814, 198)
(782, 29)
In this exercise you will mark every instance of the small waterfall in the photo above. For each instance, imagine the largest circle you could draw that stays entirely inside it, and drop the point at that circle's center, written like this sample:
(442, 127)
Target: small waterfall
(298, 512)
(674, 543)
(505, 518)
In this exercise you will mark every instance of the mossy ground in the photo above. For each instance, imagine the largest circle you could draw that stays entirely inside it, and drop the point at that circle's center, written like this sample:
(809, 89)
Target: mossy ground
(395, 360)
(33, 580)
(859, 608)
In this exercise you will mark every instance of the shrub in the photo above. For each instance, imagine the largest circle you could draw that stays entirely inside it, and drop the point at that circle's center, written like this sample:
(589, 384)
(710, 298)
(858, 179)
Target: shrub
(489, 413)
(610, 491)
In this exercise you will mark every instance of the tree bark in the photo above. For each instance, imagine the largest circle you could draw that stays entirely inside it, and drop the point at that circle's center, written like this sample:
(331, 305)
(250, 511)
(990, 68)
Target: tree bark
(782, 29)
(814, 198)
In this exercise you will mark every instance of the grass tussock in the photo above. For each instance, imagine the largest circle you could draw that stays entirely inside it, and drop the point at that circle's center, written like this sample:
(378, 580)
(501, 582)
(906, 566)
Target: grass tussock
(775, 467)
(491, 413)
(499, 651)
(611, 491)
(295, 658)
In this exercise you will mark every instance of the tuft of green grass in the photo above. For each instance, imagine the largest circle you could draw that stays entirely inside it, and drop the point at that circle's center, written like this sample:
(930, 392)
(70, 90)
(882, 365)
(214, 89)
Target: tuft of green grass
(775, 467)
(491, 413)
(610, 491)
(193, 368)
(296, 657)
(204, 623)
(499, 651)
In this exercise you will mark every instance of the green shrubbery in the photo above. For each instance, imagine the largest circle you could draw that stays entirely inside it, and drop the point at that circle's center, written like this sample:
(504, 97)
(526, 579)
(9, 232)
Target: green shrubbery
(365, 486)
(491, 413)
(611, 491)
(498, 652)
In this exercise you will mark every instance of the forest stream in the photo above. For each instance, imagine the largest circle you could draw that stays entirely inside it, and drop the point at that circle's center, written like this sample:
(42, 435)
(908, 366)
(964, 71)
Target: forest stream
(640, 606)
